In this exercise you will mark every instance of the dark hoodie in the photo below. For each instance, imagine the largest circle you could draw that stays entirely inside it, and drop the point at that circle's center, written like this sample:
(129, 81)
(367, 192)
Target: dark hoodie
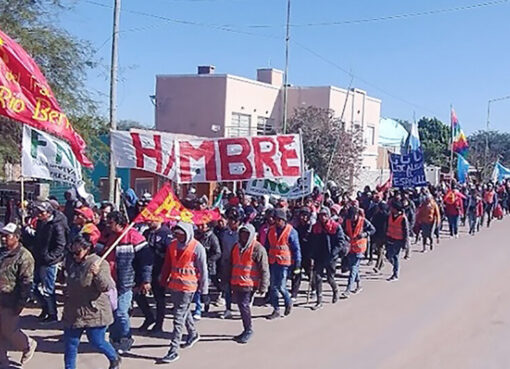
(259, 258)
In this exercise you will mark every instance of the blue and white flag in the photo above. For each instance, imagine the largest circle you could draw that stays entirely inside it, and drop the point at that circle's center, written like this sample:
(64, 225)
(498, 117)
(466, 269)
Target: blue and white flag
(414, 138)
(462, 169)
(500, 172)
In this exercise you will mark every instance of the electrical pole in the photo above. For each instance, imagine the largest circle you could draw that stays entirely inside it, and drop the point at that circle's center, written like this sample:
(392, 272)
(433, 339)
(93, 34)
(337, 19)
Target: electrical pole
(286, 74)
(113, 97)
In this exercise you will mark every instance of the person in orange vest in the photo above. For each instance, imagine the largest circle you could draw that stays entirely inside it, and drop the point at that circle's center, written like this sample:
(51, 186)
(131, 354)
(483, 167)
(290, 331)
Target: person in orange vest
(428, 217)
(284, 250)
(248, 273)
(184, 272)
(490, 201)
(397, 237)
(357, 229)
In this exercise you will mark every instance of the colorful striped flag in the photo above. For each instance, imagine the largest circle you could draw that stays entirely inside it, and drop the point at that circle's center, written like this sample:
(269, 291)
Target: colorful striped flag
(459, 140)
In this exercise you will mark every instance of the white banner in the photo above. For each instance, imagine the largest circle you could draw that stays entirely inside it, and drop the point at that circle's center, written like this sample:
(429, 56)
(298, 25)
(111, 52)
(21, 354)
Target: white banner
(289, 189)
(47, 157)
(189, 159)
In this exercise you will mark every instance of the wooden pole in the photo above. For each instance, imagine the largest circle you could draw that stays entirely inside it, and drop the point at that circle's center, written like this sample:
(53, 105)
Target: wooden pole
(114, 245)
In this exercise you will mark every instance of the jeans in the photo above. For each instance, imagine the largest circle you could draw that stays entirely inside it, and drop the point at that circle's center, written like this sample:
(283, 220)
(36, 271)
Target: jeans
(44, 281)
(278, 284)
(96, 337)
(11, 337)
(473, 220)
(182, 317)
(159, 296)
(243, 299)
(330, 270)
(354, 263)
(121, 327)
(453, 223)
(393, 248)
(198, 304)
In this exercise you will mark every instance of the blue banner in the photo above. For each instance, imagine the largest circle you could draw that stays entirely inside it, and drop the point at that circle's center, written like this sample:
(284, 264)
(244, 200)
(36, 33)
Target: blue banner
(408, 170)
(462, 169)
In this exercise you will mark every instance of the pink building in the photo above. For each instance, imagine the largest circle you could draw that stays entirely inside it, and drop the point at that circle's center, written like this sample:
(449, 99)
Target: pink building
(223, 105)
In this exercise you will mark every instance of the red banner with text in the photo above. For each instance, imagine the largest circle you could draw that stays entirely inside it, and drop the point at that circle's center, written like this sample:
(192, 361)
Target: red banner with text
(25, 96)
(197, 159)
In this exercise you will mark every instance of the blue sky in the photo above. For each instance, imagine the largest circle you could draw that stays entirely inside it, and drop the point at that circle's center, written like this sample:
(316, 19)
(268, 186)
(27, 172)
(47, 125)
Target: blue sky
(418, 64)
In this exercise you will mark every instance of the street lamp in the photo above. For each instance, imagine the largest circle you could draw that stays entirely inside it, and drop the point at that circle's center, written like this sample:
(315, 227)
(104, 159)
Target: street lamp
(488, 122)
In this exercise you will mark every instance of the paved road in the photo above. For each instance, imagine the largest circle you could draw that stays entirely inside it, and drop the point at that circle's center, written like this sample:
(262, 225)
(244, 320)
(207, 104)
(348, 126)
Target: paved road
(449, 310)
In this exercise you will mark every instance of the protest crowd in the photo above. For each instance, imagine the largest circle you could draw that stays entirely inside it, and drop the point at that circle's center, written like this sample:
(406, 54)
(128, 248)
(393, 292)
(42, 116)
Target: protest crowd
(106, 265)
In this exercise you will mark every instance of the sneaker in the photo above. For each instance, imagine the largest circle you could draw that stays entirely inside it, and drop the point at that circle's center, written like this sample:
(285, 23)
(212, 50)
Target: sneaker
(115, 364)
(317, 306)
(346, 294)
(190, 341)
(50, 319)
(456, 236)
(146, 324)
(158, 328)
(170, 357)
(274, 315)
(357, 290)
(393, 278)
(29, 353)
(335, 297)
(288, 309)
(42, 316)
(227, 315)
(245, 337)
(197, 316)
(125, 345)
(376, 271)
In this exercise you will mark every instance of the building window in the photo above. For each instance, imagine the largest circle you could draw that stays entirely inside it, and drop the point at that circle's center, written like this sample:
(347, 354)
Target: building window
(265, 126)
(240, 126)
(370, 136)
(143, 186)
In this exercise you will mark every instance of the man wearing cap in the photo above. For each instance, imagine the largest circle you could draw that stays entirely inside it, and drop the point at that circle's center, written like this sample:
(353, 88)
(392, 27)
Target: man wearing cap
(184, 273)
(248, 273)
(48, 244)
(283, 245)
(84, 221)
(16, 278)
(357, 229)
(228, 238)
(327, 242)
(397, 237)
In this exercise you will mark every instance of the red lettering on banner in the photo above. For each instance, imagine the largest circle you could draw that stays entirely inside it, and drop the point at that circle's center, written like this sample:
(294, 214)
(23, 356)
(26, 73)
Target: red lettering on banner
(155, 152)
(266, 158)
(241, 158)
(287, 171)
(171, 161)
(206, 151)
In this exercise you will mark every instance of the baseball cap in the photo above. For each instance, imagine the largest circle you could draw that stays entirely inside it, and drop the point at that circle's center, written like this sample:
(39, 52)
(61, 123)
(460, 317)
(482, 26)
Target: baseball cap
(280, 214)
(44, 206)
(10, 228)
(86, 212)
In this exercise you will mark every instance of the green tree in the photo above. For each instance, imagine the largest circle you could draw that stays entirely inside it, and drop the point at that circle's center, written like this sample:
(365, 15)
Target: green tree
(328, 144)
(63, 59)
(435, 141)
(483, 160)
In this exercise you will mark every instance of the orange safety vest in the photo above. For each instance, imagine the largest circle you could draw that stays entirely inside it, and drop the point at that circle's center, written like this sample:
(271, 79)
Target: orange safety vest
(489, 197)
(395, 231)
(183, 274)
(279, 250)
(244, 271)
(357, 246)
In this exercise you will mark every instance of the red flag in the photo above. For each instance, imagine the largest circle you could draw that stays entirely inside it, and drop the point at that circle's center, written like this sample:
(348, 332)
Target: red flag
(165, 206)
(385, 186)
(25, 96)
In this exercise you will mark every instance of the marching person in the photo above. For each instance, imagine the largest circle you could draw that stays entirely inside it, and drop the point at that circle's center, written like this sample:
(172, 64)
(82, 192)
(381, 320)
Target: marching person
(87, 307)
(304, 230)
(158, 237)
(127, 264)
(397, 237)
(357, 229)
(490, 200)
(249, 273)
(428, 217)
(184, 273)
(283, 244)
(84, 222)
(48, 244)
(16, 278)
(474, 211)
(326, 243)
(453, 210)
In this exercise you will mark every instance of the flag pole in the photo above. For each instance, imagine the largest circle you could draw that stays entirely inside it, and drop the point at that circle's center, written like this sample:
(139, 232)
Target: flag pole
(451, 144)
